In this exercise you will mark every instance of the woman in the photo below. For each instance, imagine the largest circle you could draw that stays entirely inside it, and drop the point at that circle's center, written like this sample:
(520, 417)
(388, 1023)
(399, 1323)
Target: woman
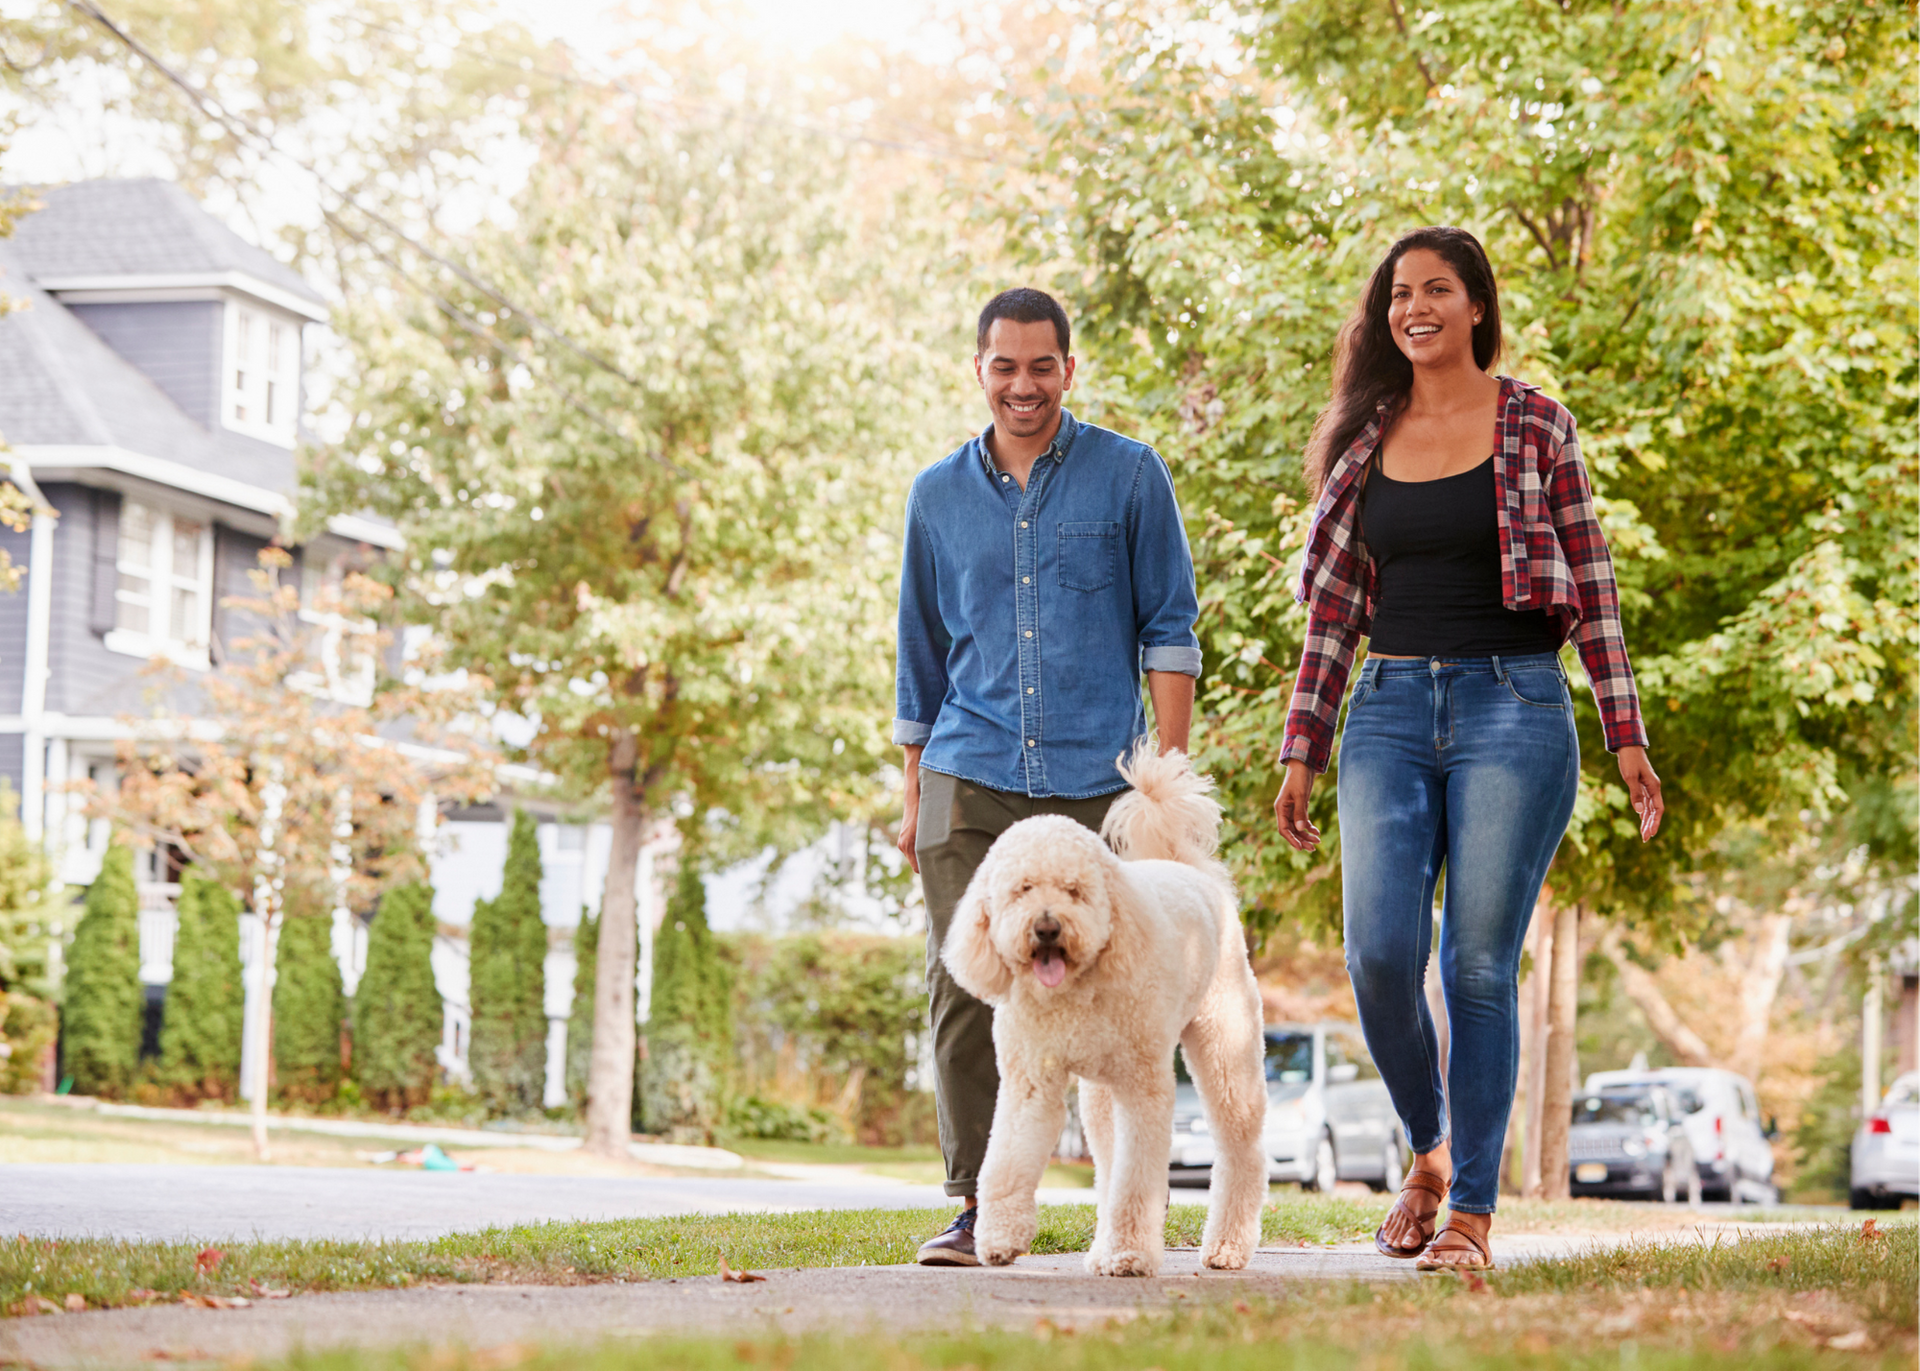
(1455, 531)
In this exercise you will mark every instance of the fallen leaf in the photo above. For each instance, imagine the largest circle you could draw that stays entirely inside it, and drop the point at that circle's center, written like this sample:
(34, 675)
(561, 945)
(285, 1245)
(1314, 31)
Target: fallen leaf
(198, 1300)
(35, 1304)
(1870, 1231)
(207, 1260)
(1242, 1307)
(727, 1273)
(266, 1292)
(1474, 1281)
(1796, 1316)
(1780, 1263)
(76, 1304)
(1856, 1341)
(140, 1294)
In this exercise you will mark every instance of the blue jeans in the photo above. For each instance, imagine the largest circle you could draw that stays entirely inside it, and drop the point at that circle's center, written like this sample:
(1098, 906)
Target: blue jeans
(1467, 764)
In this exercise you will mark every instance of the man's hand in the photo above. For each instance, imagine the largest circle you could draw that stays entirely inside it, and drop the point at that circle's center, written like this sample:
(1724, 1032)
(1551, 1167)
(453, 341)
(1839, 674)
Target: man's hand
(910, 816)
(1172, 696)
(1290, 808)
(1643, 789)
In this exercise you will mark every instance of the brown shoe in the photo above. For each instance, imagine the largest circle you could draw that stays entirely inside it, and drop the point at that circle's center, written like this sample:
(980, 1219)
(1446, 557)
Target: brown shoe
(1457, 1240)
(953, 1247)
(1428, 1183)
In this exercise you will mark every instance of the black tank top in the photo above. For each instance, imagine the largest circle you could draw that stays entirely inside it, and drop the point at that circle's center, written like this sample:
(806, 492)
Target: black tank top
(1437, 547)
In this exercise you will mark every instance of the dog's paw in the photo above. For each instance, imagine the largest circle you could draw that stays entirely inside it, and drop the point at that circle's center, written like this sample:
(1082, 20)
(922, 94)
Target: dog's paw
(995, 1254)
(998, 1238)
(1226, 1256)
(1128, 1263)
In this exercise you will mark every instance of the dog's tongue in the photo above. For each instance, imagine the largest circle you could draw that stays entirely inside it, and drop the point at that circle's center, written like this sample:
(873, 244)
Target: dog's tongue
(1050, 966)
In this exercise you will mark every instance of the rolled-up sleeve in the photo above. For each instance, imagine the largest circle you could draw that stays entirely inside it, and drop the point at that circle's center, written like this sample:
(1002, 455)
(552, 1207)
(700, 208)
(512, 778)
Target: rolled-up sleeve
(920, 676)
(1165, 604)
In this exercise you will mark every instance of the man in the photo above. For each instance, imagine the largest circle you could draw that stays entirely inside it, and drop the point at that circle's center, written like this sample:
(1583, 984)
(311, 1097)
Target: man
(1046, 567)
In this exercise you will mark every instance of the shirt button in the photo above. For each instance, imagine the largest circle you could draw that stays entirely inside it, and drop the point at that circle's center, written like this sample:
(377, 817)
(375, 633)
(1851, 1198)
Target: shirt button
(1029, 633)
(1023, 523)
(1026, 580)
(1029, 742)
(1029, 690)
(1006, 478)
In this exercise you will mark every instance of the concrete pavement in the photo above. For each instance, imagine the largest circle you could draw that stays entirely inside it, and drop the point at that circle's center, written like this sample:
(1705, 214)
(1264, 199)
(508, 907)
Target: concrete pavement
(178, 1203)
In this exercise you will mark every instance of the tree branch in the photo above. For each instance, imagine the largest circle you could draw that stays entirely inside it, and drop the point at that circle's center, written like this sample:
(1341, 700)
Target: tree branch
(1400, 18)
(1546, 245)
(1661, 1018)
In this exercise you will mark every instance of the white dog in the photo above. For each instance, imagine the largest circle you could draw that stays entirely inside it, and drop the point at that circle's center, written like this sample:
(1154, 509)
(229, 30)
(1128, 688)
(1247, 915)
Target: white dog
(1096, 966)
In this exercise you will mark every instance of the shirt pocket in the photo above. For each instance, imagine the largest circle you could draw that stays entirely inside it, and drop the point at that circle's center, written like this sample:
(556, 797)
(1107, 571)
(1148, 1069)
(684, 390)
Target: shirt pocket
(1089, 554)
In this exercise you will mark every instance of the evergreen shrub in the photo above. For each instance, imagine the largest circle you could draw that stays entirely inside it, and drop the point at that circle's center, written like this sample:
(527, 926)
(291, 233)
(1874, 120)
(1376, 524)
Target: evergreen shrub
(104, 1006)
(689, 1031)
(309, 1004)
(508, 953)
(201, 1024)
(586, 957)
(398, 1017)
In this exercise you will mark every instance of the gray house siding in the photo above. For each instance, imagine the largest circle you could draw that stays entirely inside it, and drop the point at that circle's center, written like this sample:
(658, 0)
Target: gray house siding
(13, 627)
(85, 678)
(12, 760)
(176, 343)
(234, 555)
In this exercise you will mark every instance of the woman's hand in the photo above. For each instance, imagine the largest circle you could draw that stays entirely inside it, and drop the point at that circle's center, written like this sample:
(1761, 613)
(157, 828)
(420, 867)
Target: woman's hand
(1643, 789)
(1290, 808)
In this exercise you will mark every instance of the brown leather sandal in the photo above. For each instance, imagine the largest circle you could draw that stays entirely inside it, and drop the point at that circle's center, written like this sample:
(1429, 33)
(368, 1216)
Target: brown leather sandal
(1474, 1244)
(1427, 1182)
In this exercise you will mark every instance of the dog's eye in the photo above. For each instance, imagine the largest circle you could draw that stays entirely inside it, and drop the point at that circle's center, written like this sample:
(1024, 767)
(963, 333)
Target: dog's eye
(1073, 892)
(1025, 886)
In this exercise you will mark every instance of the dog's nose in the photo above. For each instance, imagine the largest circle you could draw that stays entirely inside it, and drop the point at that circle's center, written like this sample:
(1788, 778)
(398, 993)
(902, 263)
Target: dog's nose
(1047, 929)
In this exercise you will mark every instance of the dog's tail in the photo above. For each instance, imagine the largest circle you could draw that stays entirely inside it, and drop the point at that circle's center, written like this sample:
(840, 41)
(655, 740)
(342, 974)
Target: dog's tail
(1169, 814)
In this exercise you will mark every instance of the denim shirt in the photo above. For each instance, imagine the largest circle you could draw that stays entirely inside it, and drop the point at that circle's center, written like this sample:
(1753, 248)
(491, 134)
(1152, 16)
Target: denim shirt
(1026, 617)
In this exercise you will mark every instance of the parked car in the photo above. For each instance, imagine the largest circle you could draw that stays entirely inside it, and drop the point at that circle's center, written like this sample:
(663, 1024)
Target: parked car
(1630, 1141)
(1732, 1147)
(1328, 1115)
(1886, 1149)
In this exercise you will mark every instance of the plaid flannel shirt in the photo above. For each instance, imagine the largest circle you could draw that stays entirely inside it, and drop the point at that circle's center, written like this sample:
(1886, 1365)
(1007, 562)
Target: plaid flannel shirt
(1552, 557)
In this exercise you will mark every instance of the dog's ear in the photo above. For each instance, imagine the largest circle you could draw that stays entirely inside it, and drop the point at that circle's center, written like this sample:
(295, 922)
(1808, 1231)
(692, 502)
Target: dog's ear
(1123, 958)
(969, 952)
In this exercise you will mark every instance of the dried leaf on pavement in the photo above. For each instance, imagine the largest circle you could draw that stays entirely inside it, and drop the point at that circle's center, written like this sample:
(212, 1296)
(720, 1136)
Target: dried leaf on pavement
(727, 1273)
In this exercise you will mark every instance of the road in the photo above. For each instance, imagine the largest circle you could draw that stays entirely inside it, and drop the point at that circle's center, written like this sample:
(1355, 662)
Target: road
(177, 1203)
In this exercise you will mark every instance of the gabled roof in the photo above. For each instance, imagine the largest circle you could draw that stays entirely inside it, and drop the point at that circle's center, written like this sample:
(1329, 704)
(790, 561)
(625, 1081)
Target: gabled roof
(90, 233)
(62, 386)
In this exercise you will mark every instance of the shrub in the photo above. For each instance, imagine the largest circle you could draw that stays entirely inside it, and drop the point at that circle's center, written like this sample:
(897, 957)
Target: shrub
(28, 1027)
(508, 949)
(309, 1007)
(104, 1005)
(397, 1014)
(200, 1028)
(689, 1023)
(586, 959)
(754, 1116)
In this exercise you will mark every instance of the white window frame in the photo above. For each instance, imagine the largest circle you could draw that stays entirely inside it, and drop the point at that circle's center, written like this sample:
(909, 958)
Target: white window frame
(349, 682)
(160, 638)
(260, 373)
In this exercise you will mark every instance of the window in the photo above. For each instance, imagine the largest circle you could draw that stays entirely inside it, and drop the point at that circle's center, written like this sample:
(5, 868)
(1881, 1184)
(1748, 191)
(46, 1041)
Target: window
(1349, 1050)
(343, 661)
(263, 373)
(164, 592)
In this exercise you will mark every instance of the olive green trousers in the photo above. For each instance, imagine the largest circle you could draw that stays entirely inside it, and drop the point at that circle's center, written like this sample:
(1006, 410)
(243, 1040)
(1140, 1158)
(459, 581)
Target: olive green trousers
(958, 822)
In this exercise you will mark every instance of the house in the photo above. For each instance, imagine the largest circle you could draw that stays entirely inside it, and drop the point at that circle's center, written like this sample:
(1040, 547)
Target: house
(152, 378)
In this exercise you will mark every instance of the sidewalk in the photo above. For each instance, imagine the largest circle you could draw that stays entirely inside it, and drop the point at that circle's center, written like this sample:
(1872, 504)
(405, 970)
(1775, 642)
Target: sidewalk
(845, 1300)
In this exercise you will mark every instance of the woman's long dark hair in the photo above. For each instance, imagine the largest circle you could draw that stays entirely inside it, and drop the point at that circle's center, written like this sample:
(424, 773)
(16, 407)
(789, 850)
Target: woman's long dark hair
(1368, 367)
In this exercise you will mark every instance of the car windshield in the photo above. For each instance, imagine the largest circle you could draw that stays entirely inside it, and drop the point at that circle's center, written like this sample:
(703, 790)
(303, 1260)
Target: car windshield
(1290, 1058)
(1906, 1090)
(1686, 1098)
(1636, 1108)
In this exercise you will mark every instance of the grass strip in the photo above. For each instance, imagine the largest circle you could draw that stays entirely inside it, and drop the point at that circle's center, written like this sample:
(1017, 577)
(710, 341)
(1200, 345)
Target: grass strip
(107, 1273)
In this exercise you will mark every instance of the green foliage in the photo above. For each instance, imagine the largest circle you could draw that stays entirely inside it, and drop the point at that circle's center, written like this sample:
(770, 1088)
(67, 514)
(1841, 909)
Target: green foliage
(586, 958)
(690, 1019)
(30, 905)
(397, 1013)
(309, 1006)
(1822, 1138)
(841, 1011)
(508, 950)
(752, 1116)
(28, 1028)
(200, 1032)
(1703, 219)
(103, 1005)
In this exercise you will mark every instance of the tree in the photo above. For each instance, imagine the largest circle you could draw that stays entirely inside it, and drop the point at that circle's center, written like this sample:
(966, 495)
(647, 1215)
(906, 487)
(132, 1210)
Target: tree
(586, 937)
(397, 1012)
(286, 790)
(201, 1028)
(104, 1005)
(657, 514)
(1703, 218)
(309, 1002)
(30, 922)
(690, 1018)
(507, 944)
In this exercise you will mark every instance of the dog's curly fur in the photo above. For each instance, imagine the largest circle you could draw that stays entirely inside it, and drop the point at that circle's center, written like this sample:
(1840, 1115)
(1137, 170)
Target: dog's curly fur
(1154, 956)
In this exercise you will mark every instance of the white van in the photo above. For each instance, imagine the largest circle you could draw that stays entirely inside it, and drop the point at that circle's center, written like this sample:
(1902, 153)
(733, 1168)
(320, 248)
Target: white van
(1731, 1145)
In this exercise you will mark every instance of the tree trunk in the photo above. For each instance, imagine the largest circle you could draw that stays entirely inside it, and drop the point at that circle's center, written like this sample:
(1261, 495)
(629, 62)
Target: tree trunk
(1758, 991)
(1535, 1009)
(1523, 1068)
(610, 1068)
(1556, 1095)
(1667, 1026)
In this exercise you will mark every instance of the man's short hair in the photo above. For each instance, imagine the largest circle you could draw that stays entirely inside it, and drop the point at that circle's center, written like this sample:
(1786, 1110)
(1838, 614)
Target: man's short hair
(1025, 305)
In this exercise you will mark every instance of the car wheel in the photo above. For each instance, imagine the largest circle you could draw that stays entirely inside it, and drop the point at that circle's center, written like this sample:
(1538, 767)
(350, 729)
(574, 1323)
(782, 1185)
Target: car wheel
(1326, 1167)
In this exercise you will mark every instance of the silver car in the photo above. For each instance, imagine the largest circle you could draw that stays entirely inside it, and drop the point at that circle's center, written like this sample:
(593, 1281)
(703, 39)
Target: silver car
(1732, 1144)
(1629, 1142)
(1328, 1115)
(1886, 1149)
